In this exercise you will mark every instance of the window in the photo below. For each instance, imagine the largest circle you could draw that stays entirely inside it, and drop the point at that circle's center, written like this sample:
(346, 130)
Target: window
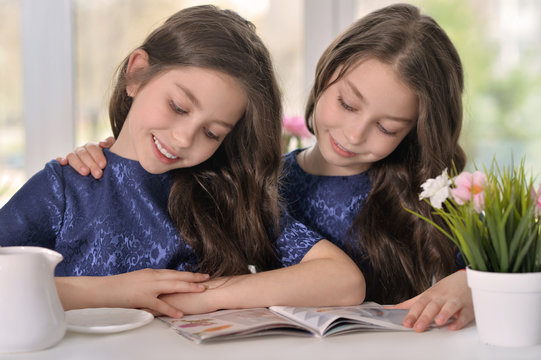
(11, 122)
(498, 42)
(102, 44)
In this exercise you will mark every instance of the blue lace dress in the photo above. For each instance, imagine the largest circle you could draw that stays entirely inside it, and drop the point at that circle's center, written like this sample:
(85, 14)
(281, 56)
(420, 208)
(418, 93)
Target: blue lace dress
(327, 204)
(113, 225)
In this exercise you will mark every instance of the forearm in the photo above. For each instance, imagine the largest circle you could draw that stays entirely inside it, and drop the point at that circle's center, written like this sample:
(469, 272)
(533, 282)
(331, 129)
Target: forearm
(136, 289)
(319, 282)
(76, 292)
(325, 277)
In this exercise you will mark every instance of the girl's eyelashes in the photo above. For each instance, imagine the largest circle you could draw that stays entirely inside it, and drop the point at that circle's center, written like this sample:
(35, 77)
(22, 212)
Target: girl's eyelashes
(385, 131)
(346, 106)
(176, 108)
(211, 135)
(352, 109)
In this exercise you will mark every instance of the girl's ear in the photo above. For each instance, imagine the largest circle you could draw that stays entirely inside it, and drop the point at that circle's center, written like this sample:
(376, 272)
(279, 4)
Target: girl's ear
(138, 61)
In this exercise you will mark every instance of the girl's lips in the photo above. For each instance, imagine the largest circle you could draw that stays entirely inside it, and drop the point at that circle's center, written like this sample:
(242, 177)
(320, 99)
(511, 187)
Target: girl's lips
(159, 153)
(339, 150)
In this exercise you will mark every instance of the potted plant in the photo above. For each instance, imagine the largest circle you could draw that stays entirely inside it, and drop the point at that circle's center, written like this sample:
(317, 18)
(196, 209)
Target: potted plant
(494, 219)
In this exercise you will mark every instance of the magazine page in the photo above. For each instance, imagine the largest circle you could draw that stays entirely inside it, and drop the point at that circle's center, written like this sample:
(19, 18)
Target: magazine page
(332, 320)
(226, 324)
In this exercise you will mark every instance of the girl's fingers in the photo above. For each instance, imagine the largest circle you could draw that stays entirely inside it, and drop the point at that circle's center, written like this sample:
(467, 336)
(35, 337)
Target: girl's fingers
(62, 161)
(176, 286)
(154, 313)
(403, 305)
(165, 274)
(426, 317)
(415, 311)
(465, 316)
(77, 165)
(107, 143)
(162, 308)
(87, 159)
(96, 153)
(450, 308)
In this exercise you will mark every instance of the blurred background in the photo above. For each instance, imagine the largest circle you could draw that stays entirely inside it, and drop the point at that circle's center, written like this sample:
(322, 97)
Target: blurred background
(57, 59)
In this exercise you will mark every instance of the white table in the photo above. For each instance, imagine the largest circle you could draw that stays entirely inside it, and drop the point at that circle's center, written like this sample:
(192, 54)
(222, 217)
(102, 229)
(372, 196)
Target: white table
(157, 341)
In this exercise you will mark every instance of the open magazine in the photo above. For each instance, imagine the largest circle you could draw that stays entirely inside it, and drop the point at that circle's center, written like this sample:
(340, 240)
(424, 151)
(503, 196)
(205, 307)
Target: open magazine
(308, 321)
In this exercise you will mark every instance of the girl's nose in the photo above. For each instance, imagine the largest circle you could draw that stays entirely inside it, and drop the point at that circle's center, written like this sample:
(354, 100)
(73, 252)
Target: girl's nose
(184, 134)
(356, 131)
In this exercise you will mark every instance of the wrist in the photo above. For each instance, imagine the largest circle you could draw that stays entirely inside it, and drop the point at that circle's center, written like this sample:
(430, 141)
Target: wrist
(218, 295)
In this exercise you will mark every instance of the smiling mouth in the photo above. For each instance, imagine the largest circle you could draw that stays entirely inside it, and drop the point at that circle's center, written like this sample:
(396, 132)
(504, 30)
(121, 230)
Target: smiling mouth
(162, 149)
(341, 150)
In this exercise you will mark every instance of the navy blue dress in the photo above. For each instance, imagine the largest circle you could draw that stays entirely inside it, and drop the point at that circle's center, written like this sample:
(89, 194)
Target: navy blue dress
(113, 225)
(329, 204)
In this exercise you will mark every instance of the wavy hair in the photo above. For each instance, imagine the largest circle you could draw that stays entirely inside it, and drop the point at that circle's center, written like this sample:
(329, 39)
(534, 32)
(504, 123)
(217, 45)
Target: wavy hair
(405, 252)
(226, 208)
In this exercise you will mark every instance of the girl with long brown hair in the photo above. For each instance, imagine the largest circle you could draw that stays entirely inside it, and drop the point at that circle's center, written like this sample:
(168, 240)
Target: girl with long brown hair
(386, 109)
(191, 186)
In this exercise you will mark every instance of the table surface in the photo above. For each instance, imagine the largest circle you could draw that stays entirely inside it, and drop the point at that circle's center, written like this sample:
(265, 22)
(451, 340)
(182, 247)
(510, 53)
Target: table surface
(157, 341)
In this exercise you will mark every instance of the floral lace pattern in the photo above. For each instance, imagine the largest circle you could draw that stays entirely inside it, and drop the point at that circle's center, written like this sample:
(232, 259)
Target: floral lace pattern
(113, 225)
(327, 204)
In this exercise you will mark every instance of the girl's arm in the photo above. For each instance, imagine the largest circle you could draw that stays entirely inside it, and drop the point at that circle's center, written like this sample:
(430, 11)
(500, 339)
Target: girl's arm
(448, 298)
(326, 276)
(89, 158)
(137, 289)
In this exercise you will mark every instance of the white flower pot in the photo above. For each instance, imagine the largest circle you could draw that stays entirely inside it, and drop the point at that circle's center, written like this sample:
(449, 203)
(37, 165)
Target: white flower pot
(507, 307)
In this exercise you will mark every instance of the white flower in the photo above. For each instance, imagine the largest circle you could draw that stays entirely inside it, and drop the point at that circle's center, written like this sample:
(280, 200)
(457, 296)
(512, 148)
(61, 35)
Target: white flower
(437, 190)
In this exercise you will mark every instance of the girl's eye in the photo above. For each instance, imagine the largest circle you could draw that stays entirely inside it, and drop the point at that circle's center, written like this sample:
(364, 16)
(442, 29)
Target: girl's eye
(385, 131)
(211, 135)
(177, 109)
(346, 106)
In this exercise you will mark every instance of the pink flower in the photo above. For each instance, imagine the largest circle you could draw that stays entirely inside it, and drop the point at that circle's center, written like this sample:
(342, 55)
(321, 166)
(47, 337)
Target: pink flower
(469, 187)
(295, 125)
(537, 197)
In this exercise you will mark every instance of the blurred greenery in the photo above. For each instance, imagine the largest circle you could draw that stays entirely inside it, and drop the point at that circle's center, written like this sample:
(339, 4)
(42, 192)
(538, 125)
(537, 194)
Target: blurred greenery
(500, 113)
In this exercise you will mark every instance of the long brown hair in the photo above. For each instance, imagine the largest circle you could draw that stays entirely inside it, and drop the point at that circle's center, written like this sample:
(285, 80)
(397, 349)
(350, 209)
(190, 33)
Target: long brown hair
(226, 208)
(404, 251)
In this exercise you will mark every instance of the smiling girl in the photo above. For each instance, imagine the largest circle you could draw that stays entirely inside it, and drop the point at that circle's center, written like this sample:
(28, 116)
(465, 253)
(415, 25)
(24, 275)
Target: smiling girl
(191, 186)
(386, 110)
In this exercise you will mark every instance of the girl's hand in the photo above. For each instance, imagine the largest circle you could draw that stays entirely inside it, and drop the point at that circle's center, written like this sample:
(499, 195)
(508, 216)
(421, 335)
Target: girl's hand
(88, 158)
(199, 303)
(449, 297)
(137, 289)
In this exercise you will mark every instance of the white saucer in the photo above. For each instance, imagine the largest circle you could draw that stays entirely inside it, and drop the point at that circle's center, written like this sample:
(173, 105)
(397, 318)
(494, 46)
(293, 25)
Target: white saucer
(106, 320)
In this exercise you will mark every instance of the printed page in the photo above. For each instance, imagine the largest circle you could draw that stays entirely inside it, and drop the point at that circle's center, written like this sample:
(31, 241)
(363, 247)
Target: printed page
(233, 323)
(332, 320)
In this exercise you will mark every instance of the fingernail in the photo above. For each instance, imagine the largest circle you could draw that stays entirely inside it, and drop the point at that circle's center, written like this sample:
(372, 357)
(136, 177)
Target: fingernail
(102, 164)
(408, 323)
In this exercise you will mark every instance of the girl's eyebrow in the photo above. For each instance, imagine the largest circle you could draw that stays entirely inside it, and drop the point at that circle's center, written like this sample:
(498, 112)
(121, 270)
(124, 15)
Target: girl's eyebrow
(197, 104)
(190, 96)
(357, 93)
